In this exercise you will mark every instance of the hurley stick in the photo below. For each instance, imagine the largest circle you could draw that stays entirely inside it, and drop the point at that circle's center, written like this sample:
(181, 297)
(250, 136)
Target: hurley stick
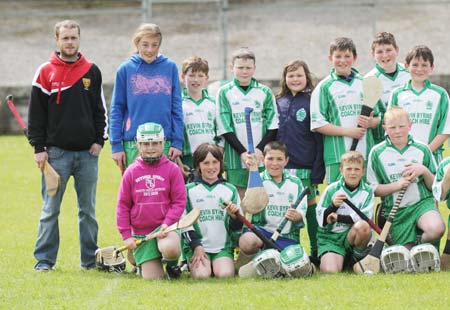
(51, 177)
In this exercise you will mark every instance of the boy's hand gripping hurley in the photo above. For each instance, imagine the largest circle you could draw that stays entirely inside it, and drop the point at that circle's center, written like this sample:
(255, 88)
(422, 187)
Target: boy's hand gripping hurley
(255, 198)
(372, 91)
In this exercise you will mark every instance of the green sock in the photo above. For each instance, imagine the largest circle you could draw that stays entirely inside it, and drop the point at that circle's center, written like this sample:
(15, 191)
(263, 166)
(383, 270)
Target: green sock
(311, 225)
(171, 263)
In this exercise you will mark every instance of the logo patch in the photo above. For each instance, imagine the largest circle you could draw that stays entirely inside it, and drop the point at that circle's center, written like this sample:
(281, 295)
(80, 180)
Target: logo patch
(86, 83)
(429, 105)
(301, 115)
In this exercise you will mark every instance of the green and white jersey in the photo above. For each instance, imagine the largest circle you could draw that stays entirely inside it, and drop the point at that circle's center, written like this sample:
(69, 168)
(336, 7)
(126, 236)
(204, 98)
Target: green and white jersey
(338, 102)
(390, 83)
(231, 103)
(386, 165)
(437, 184)
(213, 225)
(281, 196)
(362, 197)
(428, 110)
(199, 122)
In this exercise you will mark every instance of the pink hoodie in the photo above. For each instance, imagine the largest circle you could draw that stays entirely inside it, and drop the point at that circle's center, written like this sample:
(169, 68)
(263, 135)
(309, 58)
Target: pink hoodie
(149, 196)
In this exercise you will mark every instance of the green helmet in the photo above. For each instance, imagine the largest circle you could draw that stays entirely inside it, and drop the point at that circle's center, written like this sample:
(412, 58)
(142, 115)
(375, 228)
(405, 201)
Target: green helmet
(295, 262)
(150, 132)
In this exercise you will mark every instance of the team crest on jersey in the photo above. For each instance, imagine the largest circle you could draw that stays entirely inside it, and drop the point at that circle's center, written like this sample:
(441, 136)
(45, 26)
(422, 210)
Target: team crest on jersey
(429, 105)
(210, 116)
(257, 104)
(361, 96)
(149, 183)
(86, 83)
(291, 198)
(301, 115)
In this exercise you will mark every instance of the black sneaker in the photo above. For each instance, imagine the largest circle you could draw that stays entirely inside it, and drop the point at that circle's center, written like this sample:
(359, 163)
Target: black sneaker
(43, 267)
(173, 272)
(315, 261)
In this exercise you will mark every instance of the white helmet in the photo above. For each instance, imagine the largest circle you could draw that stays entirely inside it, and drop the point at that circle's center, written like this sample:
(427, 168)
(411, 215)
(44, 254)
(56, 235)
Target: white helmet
(150, 132)
(425, 258)
(295, 262)
(108, 259)
(395, 259)
(267, 264)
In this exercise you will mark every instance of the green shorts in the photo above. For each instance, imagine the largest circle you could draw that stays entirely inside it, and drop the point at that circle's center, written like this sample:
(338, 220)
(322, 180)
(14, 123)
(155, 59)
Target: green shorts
(226, 252)
(333, 242)
(239, 177)
(148, 250)
(131, 151)
(404, 228)
(305, 176)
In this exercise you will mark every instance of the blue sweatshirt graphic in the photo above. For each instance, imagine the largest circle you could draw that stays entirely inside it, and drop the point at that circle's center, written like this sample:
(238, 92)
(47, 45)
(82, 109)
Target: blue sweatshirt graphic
(146, 93)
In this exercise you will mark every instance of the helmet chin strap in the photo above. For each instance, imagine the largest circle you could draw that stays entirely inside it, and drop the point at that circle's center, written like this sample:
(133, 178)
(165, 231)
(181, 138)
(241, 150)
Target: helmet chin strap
(151, 160)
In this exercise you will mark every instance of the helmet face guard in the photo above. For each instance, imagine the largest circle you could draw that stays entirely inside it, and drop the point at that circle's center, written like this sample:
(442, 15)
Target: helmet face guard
(295, 262)
(425, 258)
(267, 264)
(107, 260)
(396, 259)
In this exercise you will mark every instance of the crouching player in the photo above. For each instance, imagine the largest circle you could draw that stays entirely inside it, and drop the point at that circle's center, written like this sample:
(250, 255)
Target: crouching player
(209, 244)
(343, 236)
(151, 196)
(441, 187)
(283, 190)
(402, 162)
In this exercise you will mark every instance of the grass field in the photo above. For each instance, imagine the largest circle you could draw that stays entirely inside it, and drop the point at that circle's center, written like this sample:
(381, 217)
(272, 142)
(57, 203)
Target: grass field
(71, 288)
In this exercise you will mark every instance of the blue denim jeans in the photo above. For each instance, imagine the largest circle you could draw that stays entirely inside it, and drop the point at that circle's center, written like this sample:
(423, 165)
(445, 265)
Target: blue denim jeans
(84, 169)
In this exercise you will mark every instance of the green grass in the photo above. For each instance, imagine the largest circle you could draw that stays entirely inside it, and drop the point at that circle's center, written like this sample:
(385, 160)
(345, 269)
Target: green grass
(71, 288)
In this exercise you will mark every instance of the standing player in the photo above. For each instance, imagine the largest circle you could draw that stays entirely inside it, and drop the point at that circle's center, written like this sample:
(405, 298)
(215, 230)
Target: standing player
(209, 246)
(403, 162)
(232, 99)
(199, 110)
(343, 236)
(283, 190)
(336, 107)
(151, 196)
(426, 103)
(441, 187)
(305, 148)
(67, 125)
(391, 74)
(147, 89)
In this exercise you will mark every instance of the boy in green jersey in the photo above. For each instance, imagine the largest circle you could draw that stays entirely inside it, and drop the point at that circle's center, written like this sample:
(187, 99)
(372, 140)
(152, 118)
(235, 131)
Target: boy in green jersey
(402, 162)
(336, 107)
(232, 99)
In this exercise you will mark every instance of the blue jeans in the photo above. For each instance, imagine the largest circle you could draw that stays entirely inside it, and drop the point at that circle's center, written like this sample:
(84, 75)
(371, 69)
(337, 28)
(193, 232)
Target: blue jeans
(84, 169)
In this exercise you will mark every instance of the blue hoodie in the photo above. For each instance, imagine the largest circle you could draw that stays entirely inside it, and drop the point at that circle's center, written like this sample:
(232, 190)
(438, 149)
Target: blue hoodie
(146, 93)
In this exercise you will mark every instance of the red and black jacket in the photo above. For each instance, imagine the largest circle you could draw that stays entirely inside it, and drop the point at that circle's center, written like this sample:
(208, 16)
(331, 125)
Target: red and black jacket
(67, 107)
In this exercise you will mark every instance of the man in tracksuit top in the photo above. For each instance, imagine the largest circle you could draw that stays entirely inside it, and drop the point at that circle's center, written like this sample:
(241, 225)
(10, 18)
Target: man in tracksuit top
(67, 125)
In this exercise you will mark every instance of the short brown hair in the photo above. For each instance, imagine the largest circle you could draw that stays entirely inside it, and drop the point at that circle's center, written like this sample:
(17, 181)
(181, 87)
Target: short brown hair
(342, 44)
(202, 151)
(277, 146)
(68, 24)
(146, 29)
(195, 63)
(384, 37)
(351, 157)
(243, 53)
(420, 51)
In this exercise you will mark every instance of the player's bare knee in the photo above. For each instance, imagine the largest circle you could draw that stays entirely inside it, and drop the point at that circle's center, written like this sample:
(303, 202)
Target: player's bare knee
(248, 243)
(362, 228)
